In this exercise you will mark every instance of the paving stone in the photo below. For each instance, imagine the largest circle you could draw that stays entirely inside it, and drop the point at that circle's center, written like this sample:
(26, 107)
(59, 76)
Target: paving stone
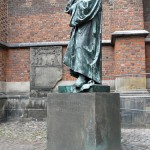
(31, 135)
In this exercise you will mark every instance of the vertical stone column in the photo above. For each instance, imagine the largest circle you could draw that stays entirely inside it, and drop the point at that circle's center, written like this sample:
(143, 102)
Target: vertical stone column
(130, 67)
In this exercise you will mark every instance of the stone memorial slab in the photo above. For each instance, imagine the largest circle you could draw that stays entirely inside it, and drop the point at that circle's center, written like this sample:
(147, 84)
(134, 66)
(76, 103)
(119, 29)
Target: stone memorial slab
(46, 68)
(83, 121)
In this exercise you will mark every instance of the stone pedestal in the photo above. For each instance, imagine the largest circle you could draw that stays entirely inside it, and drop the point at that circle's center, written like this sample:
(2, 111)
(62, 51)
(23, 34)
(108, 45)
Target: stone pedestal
(83, 121)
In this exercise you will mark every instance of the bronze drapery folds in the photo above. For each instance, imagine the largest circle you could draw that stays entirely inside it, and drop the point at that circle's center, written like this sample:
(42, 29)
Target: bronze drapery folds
(83, 54)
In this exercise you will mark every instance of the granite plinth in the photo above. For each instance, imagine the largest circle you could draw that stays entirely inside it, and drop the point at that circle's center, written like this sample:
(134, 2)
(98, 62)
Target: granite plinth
(83, 121)
(93, 88)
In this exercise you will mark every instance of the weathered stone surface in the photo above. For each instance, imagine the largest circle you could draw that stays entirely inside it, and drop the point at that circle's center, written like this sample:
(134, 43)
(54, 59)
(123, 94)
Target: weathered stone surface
(83, 121)
(14, 107)
(47, 76)
(130, 83)
(46, 68)
(2, 108)
(135, 110)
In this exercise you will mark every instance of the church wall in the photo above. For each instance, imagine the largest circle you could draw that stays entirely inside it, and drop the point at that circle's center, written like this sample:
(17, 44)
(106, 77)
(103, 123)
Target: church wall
(108, 62)
(146, 4)
(31, 21)
(148, 64)
(128, 15)
(18, 65)
(130, 67)
(3, 20)
(148, 58)
(37, 21)
(3, 38)
(130, 55)
(3, 54)
(42, 20)
(45, 21)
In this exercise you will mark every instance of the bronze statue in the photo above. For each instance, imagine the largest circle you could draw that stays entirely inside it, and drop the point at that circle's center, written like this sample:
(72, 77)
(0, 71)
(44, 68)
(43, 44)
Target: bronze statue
(83, 54)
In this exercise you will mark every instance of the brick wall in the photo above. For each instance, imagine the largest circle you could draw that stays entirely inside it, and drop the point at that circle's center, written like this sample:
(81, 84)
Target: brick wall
(148, 58)
(108, 19)
(3, 20)
(45, 20)
(146, 4)
(37, 21)
(122, 15)
(3, 37)
(130, 55)
(3, 54)
(18, 65)
(107, 62)
(128, 15)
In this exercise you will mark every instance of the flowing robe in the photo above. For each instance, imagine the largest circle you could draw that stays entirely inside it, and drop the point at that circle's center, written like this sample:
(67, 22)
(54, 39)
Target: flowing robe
(83, 54)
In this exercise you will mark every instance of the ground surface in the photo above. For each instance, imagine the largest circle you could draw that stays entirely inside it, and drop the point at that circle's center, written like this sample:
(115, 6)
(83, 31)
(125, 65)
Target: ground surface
(32, 136)
(136, 139)
(23, 135)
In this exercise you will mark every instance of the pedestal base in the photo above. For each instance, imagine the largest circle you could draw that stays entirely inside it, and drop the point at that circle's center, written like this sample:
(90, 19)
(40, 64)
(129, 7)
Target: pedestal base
(83, 121)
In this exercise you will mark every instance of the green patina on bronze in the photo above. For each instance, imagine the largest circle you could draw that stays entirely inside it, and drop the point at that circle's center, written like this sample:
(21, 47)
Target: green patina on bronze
(93, 88)
(83, 54)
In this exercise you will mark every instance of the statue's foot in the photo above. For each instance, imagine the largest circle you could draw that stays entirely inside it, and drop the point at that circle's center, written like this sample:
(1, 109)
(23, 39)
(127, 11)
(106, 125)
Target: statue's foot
(87, 85)
(80, 81)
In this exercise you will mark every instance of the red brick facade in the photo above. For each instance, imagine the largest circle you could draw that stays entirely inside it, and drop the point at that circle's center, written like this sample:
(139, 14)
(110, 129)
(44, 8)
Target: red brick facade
(2, 64)
(3, 20)
(18, 65)
(119, 15)
(146, 4)
(38, 21)
(108, 62)
(148, 58)
(128, 15)
(3, 38)
(45, 21)
(130, 55)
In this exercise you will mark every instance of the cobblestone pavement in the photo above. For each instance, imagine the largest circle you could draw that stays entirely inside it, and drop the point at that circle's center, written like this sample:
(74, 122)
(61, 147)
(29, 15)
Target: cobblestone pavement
(136, 139)
(23, 135)
(32, 136)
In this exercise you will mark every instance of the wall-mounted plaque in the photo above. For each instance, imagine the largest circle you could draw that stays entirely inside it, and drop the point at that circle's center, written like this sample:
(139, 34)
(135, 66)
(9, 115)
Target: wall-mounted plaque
(46, 68)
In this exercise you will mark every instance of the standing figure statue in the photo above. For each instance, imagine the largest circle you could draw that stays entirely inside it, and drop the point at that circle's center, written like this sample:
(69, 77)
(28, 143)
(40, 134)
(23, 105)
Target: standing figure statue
(83, 54)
